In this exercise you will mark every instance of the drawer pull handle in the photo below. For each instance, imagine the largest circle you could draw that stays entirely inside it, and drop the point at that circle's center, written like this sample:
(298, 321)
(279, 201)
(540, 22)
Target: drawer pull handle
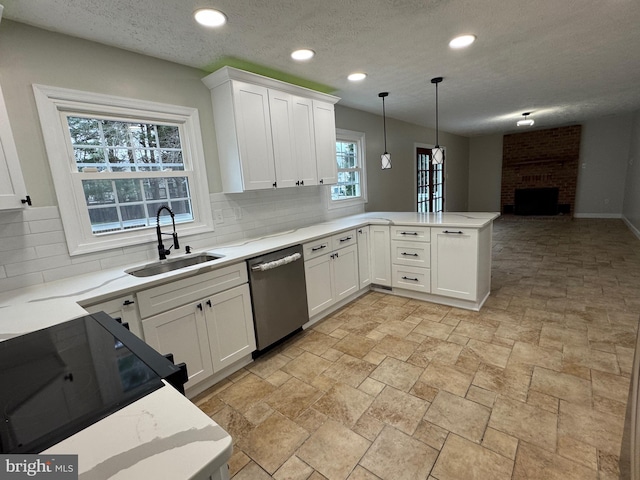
(128, 302)
(345, 239)
(409, 233)
(209, 303)
(315, 249)
(409, 254)
(199, 306)
(459, 232)
(409, 278)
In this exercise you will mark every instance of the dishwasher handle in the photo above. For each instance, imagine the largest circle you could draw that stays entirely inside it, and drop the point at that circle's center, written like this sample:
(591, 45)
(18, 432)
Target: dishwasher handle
(261, 267)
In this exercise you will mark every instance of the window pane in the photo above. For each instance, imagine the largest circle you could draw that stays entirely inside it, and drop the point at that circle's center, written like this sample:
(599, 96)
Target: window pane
(128, 191)
(84, 131)
(89, 157)
(154, 188)
(143, 135)
(116, 134)
(172, 159)
(133, 216)
(98, 192)
(168, 136)
(104, 219)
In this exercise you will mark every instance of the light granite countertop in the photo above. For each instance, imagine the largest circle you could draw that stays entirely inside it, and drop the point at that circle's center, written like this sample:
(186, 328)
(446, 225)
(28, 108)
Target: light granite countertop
(30, 308)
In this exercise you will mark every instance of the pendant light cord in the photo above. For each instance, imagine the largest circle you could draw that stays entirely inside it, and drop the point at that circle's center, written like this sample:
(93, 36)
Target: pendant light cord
(384, 125)
(437, 142)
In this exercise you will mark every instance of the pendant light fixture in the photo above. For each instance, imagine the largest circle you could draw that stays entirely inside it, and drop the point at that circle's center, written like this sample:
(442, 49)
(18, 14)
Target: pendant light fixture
(437, 152)
(385, 157)
(526, 121)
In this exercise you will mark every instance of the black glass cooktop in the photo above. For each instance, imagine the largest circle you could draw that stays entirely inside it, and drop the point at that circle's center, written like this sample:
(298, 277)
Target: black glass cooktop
(57, 381)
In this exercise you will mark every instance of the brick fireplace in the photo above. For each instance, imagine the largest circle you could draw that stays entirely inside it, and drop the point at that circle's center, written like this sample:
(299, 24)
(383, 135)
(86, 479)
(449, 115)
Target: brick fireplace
(540, 171)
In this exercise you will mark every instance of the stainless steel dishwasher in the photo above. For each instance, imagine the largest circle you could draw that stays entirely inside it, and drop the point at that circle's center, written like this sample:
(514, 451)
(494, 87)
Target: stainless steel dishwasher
(278, 294)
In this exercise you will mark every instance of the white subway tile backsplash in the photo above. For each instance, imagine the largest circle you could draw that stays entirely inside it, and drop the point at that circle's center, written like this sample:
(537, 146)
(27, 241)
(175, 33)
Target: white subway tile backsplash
(33, 249)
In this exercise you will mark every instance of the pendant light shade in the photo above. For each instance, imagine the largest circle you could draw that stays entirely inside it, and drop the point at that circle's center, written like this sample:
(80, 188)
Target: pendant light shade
(526, 121)
(437, 152)
(385, 157)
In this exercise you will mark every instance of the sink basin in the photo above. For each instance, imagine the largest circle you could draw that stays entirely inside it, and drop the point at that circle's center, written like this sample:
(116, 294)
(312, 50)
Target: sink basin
(171, 265)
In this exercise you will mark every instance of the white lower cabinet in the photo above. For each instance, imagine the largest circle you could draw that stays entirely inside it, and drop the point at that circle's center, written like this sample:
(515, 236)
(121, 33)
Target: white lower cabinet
(124, 309)
(364, 256)
(454, 271)
(208, 332)
(331, 276)
(380, 255)
(411, 258)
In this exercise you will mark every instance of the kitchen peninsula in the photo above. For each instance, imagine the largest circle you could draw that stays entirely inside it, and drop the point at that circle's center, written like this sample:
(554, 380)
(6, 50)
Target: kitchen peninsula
(444, 258)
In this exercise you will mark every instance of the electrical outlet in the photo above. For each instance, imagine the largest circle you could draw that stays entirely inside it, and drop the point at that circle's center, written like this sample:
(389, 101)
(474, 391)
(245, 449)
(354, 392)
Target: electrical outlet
(217, 216)
(238, 213)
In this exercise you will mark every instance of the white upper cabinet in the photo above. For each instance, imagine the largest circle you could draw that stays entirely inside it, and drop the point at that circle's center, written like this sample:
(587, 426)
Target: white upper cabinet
(270, 133)
(13, 193)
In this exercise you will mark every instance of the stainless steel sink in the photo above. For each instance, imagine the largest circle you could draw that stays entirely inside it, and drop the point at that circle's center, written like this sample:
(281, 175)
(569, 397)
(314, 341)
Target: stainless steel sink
(165, 266)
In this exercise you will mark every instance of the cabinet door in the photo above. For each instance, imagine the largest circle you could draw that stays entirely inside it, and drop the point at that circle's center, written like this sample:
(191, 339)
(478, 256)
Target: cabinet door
(318, 278)
(380, 255)
(12, 189)
(345, 272)
(251, 105)
(454, 266)
(324, 121)
(183, 332)
(304, 140)
(230, 326)
(125, 308)
(282, 124)
(364, 257)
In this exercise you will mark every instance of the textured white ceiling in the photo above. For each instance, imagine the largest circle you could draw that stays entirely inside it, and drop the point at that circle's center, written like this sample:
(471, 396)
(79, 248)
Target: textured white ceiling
(564, 60)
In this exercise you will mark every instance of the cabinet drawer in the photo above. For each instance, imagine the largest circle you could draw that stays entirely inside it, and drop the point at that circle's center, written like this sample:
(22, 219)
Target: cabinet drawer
(174, 294)
(316, 248)
(411, 234)
(343, 239)
(415, 254)
(411, 278)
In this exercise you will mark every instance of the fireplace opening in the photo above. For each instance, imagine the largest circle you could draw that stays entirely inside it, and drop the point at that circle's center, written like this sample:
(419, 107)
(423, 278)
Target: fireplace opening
(536, 201)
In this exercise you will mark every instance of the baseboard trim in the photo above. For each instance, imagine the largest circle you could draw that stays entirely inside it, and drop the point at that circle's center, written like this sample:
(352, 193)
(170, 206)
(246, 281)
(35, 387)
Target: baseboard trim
(631, 227)
(597, 215)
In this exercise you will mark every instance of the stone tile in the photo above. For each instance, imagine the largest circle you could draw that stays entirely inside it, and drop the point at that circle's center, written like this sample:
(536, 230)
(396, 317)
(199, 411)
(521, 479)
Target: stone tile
(543, 401)
(481, 396)
(525, 422)
(349, 370)
(501, 443)
(360, 473)
(504, 381)
(333, 450)
(424, 391)
(519, 333)
(311, 419)
(368, 426)
(292, 398)
(474, 330)
(332, 354)
(489, 353)
(590, 358)
(246, 392)
(371, 386)
(463, 459)
(233, 422)
(561, 385)
(447, 378)
(211, 405)
(464, 417)
(396, 456)
(265, 366)
(606, 405)
(258, 413)
(252, 471)
(535, 463)
(316, 342)
(433, 349)
(434, 329)
(278, 378)
(397, 328)
(398, 409)
(293, 469)
(431, 434)
(328, 325)
(609, 464)
(237, 462)
(344, 404)
(272, 442)
(395, 347)
(398, 374)
(599, 429)
(614, 387)
(578, 451)
(527, 354)
(355, 345)
(306, 366)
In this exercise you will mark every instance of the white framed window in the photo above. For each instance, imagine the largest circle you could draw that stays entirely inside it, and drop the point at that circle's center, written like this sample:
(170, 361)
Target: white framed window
(115, 161)
(350, 155)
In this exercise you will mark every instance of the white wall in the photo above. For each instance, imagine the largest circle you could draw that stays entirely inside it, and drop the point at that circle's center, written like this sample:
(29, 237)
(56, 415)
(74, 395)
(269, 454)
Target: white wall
(604, 150)
(631, 203)
(485, 173)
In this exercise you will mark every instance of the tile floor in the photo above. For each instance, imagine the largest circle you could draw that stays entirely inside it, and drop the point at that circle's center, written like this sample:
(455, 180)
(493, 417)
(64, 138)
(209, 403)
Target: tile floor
(533, 386)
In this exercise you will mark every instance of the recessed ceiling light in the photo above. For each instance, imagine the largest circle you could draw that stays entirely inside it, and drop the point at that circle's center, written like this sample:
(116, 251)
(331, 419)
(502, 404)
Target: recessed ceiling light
(356, 77)
(210, 17)
(462, 41)
(303, 54)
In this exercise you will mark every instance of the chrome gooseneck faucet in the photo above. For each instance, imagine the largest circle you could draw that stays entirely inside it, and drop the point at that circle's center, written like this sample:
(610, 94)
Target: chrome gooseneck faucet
(162, 252)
